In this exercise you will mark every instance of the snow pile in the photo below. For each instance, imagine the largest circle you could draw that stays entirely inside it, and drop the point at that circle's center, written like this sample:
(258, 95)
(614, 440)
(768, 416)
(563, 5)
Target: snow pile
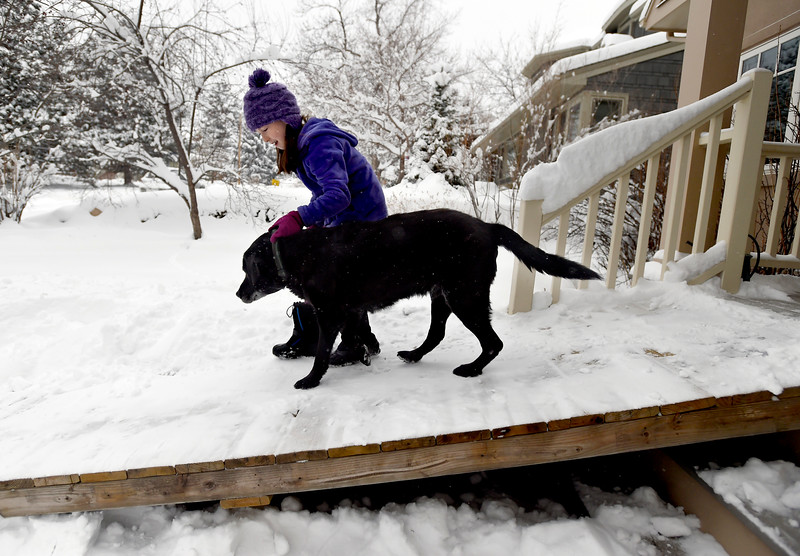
(584, 163)
(767, 493)
(694, 265)
(619, 525)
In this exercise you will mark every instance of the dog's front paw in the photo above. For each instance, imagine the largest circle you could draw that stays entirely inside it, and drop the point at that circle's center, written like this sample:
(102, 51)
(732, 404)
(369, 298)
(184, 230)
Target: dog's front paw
(306, 383)
(409, 356)
(468, 370)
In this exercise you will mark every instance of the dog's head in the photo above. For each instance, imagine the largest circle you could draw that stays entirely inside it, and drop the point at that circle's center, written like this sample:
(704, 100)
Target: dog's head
(260, 271)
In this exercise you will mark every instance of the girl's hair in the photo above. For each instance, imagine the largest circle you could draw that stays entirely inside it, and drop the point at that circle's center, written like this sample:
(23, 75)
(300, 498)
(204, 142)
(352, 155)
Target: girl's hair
(289, 158)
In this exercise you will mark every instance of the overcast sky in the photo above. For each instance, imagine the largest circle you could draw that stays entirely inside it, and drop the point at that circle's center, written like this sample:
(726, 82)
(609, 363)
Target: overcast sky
(482, 23)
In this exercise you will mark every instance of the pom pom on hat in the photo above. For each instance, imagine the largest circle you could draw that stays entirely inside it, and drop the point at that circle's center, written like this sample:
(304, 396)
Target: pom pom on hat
(259, 78)
(266, 102)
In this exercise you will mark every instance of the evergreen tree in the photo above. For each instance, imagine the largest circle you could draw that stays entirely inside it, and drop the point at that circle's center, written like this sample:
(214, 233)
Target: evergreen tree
(256, 160)
(32, 49)
(443, 138)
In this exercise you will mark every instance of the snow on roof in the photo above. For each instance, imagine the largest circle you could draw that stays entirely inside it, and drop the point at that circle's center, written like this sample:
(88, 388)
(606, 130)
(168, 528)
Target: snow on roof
(604, 54)
(618, 47)
(584, 163)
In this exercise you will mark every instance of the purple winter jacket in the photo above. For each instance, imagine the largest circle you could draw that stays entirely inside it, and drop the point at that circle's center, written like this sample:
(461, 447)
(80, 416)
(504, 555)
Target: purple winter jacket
(343, 185)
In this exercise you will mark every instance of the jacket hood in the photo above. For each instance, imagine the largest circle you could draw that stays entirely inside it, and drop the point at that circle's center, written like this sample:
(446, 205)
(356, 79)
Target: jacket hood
(319, 126)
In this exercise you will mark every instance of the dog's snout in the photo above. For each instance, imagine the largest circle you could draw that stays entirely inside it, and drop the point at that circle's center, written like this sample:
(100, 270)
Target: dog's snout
(243, 295)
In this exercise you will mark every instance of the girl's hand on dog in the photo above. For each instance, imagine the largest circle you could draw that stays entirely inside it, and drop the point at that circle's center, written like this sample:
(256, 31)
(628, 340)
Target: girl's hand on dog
(286, 225)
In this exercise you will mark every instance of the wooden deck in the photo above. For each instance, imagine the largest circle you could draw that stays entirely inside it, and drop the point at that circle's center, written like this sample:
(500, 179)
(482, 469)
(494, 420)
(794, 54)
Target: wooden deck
(252, 480)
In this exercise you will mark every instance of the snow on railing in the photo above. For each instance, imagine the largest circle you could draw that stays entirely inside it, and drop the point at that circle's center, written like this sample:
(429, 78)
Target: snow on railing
(589, 166)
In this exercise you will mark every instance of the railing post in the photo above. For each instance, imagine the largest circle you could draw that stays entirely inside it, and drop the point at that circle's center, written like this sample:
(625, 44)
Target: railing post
(648, 200)
(522, 280)
(671, 228)
(561, 251)
(592, 208)
(707, 186)
(743, 177)
(779, 201)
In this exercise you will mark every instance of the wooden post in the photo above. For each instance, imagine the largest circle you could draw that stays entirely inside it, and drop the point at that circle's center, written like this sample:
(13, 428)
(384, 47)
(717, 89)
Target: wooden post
(592, 209)
(743, 177)
(707, 187)
(623, 186)
(561, 250)
(648, 200)
(671, 229)
(779, 200)
(522, 280)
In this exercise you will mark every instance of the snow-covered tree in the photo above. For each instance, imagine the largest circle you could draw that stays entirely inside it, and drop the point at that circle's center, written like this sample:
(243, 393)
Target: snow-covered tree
(32, 48)
(442, 137)
(364, 65)
(256, 160)
(166, 62)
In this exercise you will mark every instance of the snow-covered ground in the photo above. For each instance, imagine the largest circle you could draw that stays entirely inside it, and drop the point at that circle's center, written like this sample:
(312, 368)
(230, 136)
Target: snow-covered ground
(620, 525)
(124, 346)
(766, 493)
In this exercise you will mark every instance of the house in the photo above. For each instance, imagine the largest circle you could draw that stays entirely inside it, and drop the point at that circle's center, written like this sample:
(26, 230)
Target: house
(740, 57)
(725, 39)
(575, 87)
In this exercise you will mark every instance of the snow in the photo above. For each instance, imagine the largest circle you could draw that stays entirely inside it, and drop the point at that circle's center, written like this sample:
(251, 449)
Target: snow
(584, 163)
(605, 47)
(124, 346)
(766, 493)
(613, 46)
(619, 526)
(694, 265)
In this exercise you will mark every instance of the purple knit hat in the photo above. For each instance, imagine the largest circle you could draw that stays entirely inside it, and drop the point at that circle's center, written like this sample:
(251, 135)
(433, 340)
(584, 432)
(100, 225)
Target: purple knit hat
(267, 102)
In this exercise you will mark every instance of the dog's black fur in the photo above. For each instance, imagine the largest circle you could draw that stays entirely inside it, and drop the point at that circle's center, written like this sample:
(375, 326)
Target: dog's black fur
(348, 270)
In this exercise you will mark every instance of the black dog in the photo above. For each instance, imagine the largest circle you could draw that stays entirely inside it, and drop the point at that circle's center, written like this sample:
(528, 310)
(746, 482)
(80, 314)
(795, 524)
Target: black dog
(348, 270)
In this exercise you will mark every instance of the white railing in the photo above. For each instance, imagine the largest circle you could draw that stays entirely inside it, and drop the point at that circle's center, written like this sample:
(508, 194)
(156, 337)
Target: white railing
(551, 191)
(786, 155)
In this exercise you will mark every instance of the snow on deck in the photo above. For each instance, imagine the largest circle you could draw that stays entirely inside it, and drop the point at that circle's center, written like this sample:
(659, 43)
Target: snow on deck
(123, 346)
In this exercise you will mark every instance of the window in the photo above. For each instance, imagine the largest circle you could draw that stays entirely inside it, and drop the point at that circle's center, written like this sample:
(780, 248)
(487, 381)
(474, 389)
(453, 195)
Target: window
(574, 123)
(603, 108)
(589, 108)
(780, 57)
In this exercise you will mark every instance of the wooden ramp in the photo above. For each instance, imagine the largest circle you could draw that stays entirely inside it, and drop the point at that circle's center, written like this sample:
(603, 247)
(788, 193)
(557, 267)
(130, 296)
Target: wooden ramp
(251, 481)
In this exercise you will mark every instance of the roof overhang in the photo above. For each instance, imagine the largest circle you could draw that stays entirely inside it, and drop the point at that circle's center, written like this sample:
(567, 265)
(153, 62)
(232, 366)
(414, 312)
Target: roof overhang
(538, 61)
(666, 15)
(577, 69)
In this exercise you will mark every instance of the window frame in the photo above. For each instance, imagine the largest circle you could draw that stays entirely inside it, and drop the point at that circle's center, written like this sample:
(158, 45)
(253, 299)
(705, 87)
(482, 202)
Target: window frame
(792, 134)
(586, 99)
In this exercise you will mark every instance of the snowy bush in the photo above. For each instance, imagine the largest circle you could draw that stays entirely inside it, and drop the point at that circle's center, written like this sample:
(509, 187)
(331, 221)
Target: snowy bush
(21, 178)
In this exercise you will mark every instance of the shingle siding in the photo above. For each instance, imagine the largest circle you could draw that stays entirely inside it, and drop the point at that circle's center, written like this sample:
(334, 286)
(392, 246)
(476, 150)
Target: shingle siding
(652, 86)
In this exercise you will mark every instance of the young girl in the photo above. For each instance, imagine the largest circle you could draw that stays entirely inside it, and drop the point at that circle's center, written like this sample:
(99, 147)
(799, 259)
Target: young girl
(343, 187)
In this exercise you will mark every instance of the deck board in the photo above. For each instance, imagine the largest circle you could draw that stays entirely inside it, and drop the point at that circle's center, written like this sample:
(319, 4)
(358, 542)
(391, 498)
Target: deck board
(258, 477)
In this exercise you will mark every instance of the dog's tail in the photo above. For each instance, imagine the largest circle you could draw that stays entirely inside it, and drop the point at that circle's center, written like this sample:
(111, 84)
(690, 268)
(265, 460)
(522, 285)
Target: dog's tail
(534, 258)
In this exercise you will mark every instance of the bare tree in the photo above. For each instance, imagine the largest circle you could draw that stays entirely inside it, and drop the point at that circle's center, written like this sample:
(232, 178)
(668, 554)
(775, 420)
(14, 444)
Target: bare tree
(173, 60)
(363, 63)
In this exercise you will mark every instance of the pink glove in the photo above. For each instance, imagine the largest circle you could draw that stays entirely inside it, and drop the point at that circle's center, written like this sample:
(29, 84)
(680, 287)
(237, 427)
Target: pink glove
(286, 225)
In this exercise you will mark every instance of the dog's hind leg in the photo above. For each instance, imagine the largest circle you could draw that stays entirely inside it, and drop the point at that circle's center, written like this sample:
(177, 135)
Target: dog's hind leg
(473, 311)
(440, 312)
(329, 327)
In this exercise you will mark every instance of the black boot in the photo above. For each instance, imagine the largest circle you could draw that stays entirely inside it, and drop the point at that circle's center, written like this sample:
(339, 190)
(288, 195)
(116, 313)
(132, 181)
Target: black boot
(304, 336)
(350, 354)
(356, 347)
